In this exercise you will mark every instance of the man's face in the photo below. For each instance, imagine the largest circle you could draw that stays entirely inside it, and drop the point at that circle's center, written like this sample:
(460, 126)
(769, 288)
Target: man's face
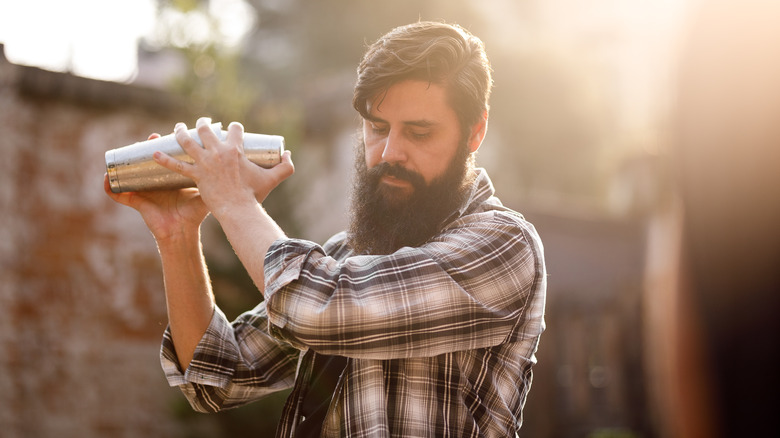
(412, 170)
(413, 129)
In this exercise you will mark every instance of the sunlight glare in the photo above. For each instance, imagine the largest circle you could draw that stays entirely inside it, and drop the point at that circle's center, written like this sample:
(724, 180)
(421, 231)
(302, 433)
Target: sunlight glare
(99, 38)
(91, 38)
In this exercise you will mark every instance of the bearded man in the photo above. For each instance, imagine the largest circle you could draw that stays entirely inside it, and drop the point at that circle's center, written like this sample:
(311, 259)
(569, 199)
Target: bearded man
(422, 319)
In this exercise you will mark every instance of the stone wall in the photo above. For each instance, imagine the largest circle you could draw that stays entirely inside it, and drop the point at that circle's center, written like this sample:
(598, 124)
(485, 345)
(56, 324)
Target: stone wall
(81, 300)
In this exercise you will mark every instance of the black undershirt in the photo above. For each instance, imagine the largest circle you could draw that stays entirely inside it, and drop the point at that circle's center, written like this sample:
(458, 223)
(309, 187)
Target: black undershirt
(325, 376)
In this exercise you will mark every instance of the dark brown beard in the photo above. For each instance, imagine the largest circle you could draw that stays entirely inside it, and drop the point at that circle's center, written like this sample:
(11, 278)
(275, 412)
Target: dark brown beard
(383, 221)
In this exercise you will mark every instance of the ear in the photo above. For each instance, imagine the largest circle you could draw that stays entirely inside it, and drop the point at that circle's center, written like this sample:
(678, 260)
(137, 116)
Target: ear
(477, 134)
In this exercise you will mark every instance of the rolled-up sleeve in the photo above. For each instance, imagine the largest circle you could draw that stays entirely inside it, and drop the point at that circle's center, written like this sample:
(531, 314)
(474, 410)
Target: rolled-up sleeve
(233, 364)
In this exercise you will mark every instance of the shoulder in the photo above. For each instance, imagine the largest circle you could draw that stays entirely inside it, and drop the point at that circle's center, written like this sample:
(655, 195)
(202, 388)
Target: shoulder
(492, 217)
(491, 231)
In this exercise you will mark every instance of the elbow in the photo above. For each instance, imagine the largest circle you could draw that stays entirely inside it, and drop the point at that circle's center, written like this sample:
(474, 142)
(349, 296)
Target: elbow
(203, 408)
(203, 399)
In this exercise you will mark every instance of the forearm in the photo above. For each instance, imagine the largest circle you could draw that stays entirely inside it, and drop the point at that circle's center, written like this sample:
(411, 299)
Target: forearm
(251, 231)
(230, 186)
(188, 292)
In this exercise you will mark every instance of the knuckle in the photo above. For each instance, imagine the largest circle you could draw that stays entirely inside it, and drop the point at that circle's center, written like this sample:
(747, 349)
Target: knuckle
(184, 138)
(203, 129)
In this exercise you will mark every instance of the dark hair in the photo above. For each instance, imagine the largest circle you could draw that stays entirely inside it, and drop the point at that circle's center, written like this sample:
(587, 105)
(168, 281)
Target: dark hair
(439, 53)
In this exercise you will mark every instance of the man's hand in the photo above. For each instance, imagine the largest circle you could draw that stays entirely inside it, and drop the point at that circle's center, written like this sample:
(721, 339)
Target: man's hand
(166, 213)
(224, 176)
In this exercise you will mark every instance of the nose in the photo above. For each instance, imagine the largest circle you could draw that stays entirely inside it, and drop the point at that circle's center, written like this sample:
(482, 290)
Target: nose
(395, 149)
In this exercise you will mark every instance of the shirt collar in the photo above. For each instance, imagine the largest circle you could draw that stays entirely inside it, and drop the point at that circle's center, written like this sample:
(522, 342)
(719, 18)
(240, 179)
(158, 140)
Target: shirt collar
(481, 190)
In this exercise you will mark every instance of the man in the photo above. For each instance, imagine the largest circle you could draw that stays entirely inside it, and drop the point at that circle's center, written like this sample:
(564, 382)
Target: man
(421, 320)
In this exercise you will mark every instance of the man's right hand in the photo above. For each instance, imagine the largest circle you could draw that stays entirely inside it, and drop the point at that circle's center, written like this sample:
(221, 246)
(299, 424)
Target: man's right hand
(167, 213)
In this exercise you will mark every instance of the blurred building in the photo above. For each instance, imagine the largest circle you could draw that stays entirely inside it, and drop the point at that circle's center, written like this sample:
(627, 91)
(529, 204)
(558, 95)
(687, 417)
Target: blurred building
(591, 379)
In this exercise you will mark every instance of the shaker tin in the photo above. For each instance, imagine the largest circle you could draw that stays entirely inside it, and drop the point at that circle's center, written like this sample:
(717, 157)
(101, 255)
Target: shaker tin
(132, 168)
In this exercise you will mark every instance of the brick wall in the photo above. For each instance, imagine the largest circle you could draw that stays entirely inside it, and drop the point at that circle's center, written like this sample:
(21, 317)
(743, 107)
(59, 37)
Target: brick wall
(81, 300)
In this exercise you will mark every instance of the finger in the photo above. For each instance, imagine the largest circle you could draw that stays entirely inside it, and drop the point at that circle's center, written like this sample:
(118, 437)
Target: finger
(203, 121)
(178, 166)
(107, 187)
(206, 133)
(190, 146)
(235, 135)
(153, 136)
(121, 198)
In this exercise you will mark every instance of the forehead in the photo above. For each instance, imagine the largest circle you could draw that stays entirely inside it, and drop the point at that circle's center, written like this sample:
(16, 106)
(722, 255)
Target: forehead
(412, 100)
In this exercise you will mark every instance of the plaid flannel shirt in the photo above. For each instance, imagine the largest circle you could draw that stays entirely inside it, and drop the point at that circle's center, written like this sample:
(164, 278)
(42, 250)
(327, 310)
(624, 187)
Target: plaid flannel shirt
(440, 339)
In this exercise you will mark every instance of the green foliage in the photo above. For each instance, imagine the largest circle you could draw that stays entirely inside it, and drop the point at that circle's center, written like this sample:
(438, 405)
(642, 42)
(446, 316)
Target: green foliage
(213, 81)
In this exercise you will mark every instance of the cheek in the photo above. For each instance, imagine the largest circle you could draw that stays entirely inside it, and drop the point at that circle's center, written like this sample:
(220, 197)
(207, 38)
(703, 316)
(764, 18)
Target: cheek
(373, 153)
(434, 164)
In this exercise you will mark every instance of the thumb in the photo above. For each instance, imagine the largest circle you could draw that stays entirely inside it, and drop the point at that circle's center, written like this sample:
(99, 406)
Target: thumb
(265, 180)
(285, 168)
(281, 171)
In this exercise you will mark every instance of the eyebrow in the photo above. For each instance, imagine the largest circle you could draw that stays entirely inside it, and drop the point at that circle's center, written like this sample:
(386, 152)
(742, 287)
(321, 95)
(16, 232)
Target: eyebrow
(422, 123)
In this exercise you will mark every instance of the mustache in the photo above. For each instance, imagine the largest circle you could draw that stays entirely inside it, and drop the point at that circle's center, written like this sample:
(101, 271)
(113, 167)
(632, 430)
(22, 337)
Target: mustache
(396, 171)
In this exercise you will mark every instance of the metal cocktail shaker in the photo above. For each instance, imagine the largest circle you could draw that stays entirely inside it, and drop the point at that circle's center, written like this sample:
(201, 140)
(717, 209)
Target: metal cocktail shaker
(132, 168)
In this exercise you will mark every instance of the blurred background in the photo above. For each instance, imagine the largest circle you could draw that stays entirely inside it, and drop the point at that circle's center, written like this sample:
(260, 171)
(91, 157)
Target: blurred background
(641, 138)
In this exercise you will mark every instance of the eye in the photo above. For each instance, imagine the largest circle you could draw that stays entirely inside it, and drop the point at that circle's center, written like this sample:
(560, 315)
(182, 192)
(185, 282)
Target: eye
(378, 129)
(421, 135)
